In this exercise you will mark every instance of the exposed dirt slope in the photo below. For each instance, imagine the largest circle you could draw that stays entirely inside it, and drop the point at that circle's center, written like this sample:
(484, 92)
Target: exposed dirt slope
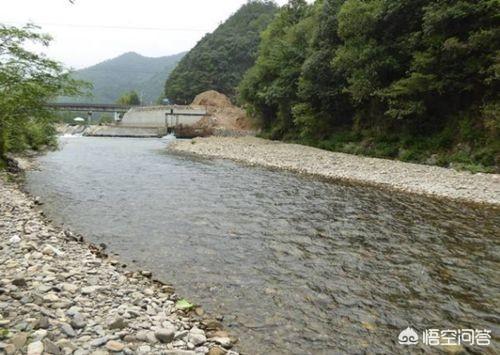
(224, 116)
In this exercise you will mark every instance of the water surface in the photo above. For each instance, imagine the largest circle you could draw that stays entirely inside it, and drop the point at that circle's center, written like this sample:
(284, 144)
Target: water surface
(296, 265)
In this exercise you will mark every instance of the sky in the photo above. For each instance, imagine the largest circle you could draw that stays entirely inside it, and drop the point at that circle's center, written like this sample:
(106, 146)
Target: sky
(90, 31)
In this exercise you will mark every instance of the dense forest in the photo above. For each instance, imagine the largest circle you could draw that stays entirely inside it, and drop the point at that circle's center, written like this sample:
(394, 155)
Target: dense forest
(127, 72)
(220, 59)
(415, 80)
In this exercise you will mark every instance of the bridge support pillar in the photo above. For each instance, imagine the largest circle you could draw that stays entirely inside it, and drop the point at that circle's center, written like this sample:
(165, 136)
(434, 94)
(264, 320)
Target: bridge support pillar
(169, 121)
(89, 118)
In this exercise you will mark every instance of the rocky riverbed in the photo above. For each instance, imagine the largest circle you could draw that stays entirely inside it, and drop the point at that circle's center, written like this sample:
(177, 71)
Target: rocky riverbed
(60, 295)
(410, 178)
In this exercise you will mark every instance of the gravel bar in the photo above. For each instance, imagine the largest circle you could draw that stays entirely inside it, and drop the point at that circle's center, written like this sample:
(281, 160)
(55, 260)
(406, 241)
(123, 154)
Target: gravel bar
(433, 181)
(60, 295)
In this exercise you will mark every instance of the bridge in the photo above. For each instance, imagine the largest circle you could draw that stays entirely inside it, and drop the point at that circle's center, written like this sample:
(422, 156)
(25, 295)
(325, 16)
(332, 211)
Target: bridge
(89, 107)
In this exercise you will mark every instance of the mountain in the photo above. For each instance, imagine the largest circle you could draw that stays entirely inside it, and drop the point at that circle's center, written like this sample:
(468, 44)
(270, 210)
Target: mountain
(219, 60)
(127, 72)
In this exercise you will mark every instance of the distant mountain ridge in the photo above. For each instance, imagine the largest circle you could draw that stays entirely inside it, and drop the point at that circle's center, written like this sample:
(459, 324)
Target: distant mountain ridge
(129, 71)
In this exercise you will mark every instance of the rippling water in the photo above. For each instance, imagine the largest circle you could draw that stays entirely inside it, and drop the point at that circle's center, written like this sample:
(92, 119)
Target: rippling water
(297, 265)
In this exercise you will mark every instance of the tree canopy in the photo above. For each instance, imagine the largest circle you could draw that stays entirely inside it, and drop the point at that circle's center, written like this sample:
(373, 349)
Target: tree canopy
(220, 59)
(28, 80)
(129, 98)
(398, 71)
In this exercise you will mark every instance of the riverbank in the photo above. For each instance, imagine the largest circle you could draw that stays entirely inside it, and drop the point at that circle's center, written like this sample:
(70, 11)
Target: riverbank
(60, 295)
(483, 189)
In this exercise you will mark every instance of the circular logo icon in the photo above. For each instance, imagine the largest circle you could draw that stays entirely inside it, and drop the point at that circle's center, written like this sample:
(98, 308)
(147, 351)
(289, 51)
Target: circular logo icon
(408, 337)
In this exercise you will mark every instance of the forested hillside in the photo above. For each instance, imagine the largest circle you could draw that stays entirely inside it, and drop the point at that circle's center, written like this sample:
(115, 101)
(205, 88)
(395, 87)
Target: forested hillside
(128, 72)
(220, 59)
(415, 80)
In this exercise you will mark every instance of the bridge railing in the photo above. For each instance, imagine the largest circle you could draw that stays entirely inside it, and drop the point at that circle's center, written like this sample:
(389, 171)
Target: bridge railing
(89, 107)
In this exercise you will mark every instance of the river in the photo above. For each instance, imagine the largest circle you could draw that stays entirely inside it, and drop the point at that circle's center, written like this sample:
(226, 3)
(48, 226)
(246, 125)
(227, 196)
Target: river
(295, 264)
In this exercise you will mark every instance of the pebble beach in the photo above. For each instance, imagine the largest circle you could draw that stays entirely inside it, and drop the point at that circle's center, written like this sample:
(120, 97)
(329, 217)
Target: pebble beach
(432, 181)
(61, 295)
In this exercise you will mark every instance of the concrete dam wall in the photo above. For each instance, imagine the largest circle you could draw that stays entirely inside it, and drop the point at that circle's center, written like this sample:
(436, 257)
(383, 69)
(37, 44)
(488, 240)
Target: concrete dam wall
(162, 116)
(154, 121)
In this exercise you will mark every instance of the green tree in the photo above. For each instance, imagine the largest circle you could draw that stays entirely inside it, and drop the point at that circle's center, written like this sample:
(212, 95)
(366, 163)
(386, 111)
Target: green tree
(28, 80)
(378, 39)
(269, 88)
(323, 103)
(401, 76)
(106, 119)
(219, 60)
(129, 98)
(453, 69)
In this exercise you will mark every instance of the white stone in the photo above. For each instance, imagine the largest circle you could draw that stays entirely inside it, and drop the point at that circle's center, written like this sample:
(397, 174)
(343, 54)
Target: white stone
(89, 290)
(197, 336)
(224, 341)
(35, 348)
(36, 255)
(114, 346)
(14, 239)
(51, 297)
(50, 250)
(40, 334)
(69, 287)
(144, 349)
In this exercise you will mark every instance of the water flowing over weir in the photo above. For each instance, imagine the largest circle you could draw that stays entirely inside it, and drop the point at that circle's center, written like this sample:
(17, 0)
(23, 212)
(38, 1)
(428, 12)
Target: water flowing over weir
(296, 265)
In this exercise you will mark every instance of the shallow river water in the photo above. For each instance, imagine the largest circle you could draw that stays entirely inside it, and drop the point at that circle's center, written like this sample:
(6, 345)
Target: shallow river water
(296, 265)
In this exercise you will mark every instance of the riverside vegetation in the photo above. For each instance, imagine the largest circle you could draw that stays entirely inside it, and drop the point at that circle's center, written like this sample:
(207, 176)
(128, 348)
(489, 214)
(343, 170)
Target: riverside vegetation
(415, 80)
(27, 81)
(409, 80)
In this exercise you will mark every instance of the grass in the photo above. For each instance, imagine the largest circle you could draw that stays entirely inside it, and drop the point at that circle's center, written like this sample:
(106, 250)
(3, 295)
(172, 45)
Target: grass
(37, 135)
(443, 149)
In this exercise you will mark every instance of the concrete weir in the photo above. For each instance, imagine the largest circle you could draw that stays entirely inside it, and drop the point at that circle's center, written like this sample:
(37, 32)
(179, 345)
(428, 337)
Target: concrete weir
(151, 121)
(117, 131)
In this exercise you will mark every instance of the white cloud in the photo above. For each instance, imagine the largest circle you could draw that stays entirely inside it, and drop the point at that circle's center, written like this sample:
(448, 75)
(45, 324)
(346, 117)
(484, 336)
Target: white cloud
(94, 30)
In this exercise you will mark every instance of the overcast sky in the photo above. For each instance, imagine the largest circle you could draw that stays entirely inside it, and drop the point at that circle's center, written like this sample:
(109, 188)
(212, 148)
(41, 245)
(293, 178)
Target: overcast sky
(90, 31)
